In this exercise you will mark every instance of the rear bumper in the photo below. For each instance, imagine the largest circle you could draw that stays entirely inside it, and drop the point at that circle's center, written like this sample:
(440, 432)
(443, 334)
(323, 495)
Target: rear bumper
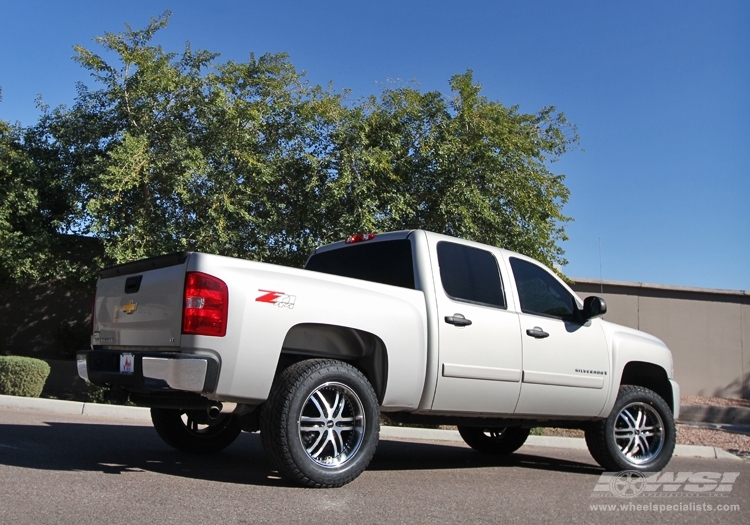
(149, 371)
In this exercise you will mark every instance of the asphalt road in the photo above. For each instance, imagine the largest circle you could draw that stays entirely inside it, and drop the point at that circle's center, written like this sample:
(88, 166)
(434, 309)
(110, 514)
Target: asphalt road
(79, 469)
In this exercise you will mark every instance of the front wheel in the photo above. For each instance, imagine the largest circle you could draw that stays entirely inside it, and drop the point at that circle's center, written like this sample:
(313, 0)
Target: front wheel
(321, 423)
(639, 433)
(494, 440)
(192, 431)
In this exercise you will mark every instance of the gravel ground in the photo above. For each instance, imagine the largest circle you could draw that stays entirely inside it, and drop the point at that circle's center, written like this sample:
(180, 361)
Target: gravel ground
(695, 435)
(714, 401)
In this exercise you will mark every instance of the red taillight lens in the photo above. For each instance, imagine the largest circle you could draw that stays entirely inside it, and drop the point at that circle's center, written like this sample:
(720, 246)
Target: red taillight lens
(205, 305)
(359, 238)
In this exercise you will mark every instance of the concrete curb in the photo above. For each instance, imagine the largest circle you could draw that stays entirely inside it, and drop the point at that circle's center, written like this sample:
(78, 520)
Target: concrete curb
(76, 408)
(425, 434)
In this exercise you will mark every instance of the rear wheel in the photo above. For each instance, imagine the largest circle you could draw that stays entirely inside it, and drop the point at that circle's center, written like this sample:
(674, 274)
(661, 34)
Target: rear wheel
(320, 425)
(494, 440)
(639, 433)
(193, 431)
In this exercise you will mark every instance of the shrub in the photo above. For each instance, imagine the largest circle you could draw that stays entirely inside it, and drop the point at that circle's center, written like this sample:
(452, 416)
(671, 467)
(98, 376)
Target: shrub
(22, 376)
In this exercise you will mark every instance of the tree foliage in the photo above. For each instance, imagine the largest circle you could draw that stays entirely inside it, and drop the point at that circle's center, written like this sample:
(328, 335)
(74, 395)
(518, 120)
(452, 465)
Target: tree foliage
(178, 151)
(33, 211)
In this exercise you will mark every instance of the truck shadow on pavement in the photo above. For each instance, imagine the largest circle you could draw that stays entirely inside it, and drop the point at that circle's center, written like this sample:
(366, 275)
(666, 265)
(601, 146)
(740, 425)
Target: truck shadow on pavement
(118, 449)
(400, 455)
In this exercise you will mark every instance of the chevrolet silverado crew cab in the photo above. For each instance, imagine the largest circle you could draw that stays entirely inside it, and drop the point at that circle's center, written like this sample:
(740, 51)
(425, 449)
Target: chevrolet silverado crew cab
(413, 325)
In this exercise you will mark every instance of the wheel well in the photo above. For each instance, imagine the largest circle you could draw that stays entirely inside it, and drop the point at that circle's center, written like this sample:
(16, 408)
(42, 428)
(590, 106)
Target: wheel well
(362, 349)
(650, 376)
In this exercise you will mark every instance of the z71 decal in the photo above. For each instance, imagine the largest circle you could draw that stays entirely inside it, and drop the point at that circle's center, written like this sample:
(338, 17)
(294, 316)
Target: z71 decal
(280, 299)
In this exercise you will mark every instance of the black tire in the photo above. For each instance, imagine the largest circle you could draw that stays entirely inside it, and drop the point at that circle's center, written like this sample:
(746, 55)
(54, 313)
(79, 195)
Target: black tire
(639, 433)
(494, 440)
(192, 431)
(321, 423)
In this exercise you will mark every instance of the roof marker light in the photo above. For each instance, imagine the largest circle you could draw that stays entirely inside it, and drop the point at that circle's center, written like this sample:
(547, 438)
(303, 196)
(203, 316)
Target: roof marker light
(359, 238)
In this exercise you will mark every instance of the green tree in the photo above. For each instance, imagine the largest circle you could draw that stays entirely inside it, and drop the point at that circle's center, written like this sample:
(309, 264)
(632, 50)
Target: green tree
(33, 212)
(196, 155)
(20, 232)
(465, 166)
(173, 151)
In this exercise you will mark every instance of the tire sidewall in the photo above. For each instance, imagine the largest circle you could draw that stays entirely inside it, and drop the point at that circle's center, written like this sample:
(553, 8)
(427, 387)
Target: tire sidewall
(331, 371)
(641, 395)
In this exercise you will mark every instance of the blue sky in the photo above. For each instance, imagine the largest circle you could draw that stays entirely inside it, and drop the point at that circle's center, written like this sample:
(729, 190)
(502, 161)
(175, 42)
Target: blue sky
(660, 92)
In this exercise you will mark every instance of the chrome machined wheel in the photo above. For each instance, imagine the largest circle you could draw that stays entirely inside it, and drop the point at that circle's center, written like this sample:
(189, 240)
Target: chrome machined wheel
(332, 424)
(639, 433)
(321, 423)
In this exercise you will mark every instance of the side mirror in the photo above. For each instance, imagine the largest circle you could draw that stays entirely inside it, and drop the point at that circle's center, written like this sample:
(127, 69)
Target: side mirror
(593, 307)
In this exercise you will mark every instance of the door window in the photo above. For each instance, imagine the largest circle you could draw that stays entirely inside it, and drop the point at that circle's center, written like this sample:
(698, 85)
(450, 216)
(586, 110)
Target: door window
(540, 293)
(470, 274)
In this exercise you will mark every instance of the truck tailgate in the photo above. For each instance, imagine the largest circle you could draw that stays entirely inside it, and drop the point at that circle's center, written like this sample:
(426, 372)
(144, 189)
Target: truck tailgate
(140, 304)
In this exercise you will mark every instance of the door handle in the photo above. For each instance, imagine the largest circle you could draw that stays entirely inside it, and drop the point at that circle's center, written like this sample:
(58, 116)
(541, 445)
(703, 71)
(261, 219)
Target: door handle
(457, 320)
(537, 333)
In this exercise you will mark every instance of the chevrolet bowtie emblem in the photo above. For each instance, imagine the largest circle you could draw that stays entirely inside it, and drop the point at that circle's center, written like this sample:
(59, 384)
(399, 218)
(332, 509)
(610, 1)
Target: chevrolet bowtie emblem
(129, 307)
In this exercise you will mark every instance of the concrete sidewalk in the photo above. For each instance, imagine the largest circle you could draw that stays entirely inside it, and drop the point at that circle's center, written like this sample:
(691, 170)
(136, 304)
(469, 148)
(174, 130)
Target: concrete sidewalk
(405, 433)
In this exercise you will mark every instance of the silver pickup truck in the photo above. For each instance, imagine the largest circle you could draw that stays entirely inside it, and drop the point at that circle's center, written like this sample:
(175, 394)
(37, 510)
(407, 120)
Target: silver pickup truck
(412, 325)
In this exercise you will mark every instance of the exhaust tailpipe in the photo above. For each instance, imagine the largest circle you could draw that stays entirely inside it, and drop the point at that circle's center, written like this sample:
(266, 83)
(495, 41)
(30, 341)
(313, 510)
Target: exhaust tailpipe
(214, 411)
(217, 409)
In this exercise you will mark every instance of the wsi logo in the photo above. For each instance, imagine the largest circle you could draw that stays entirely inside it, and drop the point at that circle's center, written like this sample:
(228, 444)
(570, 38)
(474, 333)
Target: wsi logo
(631, 483)
(280, 299)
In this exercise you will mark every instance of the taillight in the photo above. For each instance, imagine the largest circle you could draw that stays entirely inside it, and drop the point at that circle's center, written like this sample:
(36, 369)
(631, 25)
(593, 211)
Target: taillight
(359, 238)
(205, 305)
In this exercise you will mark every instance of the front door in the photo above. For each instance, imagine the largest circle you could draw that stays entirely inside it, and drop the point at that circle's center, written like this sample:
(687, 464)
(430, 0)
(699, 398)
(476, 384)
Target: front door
(565, 362)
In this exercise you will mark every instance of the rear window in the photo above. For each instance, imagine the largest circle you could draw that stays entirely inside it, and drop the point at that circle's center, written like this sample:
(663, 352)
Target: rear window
(385, 262)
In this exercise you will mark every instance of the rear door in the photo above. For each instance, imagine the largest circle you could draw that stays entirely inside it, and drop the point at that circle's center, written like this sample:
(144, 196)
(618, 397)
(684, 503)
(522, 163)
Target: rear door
(479, 339)
(140, 304)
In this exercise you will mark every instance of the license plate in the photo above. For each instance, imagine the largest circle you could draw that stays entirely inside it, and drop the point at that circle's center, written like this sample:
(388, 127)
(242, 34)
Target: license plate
(127, 363)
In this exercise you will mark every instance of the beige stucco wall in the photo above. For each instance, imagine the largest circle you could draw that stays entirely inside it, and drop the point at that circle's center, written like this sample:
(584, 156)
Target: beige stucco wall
(746, 348)
(708, 331)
